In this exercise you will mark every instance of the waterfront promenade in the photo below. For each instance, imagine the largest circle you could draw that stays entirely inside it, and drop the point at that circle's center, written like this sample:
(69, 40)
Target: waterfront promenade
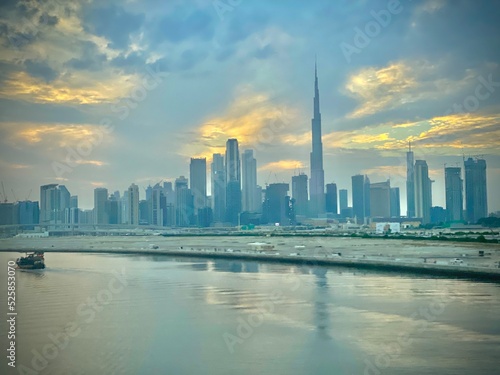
(424, 257)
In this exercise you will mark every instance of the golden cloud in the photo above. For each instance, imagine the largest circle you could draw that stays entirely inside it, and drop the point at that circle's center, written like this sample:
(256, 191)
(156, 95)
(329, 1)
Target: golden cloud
(403, 82)
(252, 118)
(379, 89)
(452, 132)
(55, 135)
(282, 165)
(83, 89)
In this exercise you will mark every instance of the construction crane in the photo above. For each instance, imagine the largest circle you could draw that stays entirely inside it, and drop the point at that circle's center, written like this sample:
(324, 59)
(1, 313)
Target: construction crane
(14, 194)
(3, 194)
(29, 195)
(267, 179)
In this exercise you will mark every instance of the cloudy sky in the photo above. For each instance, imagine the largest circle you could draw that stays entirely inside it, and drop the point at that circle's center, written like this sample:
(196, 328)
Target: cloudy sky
(106, 93)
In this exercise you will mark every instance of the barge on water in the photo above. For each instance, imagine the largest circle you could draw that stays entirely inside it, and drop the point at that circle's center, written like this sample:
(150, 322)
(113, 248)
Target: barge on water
(32, 261)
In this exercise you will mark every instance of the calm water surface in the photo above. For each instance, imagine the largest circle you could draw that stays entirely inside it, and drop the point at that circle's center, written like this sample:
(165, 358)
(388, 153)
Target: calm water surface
(107, 314)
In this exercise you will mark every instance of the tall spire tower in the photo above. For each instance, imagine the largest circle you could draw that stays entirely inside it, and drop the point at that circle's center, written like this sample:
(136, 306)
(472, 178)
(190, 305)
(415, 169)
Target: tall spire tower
(410, 182)
(317, 181)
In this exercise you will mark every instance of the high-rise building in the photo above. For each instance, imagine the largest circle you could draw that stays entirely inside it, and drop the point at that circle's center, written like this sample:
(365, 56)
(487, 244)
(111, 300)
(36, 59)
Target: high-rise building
(113, 209)
(476, 197)
(124, 208)
(28, 212)
(410, 182)
(454, 193)
(299, 194)
(331, 198)
(380, 199)
(233, 182)
(73, 210)
(144, 212)
(184, 204)
(395, 202)
(64, 204)
(156, 205)
(423, 192)
(8, 215)
(277, 204)
(49, 204)
(438, 215)
(198, 183)
(169, 209)
(361, 198)
(343, 200)
(100, 202)
(132, 205)
(317, 181)
(249, 182)
(218, 188)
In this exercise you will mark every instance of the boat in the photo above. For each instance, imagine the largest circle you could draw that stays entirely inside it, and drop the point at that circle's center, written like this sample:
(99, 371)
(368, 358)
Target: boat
(32, 261)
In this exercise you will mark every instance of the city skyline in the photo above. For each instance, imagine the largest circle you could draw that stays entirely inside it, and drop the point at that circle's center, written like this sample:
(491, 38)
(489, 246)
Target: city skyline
(245, 74)
(186, 204)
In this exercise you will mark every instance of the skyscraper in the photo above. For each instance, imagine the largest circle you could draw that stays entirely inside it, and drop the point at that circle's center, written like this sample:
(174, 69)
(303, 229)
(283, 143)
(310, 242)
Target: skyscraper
(410, 182)
(476, 198)
(317, 181)
(198, 183)
(454, 193)
(113, 209)
(156, 205)
(343, 201)
(184, 204)
(100, 205)
(423, 193)
(299, 194)
(380, 199)
(395, 202)
(64, 204)
(361, 197)
(331, 198)
(233, 182)
(132, 205)
(73, 209)
(49, 204)
(28, 212)
(249, 182)
(277, 204)
(218, 188)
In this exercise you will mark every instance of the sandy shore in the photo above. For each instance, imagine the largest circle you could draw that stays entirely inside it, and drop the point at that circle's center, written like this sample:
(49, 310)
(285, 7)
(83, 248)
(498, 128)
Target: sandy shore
(429, 257)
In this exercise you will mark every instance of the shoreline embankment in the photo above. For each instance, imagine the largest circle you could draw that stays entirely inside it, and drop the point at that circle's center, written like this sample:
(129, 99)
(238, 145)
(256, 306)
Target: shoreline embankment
(452, 271)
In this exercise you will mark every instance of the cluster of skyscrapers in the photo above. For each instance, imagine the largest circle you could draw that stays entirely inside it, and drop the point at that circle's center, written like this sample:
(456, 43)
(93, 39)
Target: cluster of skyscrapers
(419, 192)
(237, 199)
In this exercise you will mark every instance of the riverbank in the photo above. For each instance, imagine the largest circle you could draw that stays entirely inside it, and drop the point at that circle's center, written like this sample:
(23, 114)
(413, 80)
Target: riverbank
(418, 257)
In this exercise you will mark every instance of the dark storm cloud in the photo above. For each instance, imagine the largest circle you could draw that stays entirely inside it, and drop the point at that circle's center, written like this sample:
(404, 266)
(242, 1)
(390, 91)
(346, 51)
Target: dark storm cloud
(46, 19)
(40, 69)
(8, 4)
(178, 27)
(466, 30)
(112, 22)
(190, 58)
(91, 59)
(130, 60)
(242, 25)
(21, 111)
